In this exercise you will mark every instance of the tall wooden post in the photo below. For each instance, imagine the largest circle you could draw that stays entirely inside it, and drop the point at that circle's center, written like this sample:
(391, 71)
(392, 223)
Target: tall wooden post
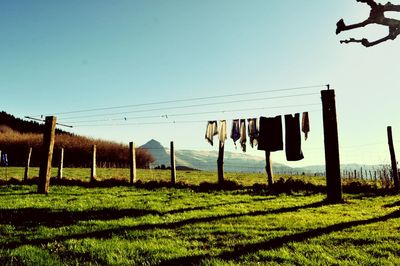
(61, 164)
(132, 163)
(28, 162)
(47, 154)
(268, 168)
(93, 168)
(395, 174)
(331, 141)
(220, 163)
(173, 167)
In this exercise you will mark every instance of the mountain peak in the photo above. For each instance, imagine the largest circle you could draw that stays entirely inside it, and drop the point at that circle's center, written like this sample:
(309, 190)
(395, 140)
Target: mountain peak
(152, 144)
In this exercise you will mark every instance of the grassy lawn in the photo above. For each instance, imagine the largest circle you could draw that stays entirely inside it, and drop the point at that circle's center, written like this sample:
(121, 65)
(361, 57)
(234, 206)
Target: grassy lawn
(145, 175)
(124, 225)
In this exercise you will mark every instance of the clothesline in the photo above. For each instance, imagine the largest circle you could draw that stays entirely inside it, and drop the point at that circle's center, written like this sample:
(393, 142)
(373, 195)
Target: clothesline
(166, 116)
(159, 122)
(191, 106)
(183, 100)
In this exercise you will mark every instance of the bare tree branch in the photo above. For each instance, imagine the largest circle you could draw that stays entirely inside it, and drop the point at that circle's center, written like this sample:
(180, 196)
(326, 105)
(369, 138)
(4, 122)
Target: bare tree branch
(376, 16)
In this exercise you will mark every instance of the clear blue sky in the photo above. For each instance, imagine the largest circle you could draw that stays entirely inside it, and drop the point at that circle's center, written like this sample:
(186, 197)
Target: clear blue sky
(59, 56)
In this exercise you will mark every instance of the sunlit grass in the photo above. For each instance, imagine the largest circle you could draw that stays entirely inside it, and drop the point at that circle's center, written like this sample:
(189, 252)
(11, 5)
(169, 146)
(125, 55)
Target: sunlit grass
(131, 226)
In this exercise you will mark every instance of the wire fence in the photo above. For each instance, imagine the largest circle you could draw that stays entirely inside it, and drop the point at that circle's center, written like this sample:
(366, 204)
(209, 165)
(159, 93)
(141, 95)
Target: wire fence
(159, 112)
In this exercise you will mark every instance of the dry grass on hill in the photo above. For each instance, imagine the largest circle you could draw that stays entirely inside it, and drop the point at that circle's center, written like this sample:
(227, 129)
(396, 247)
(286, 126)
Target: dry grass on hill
(77, 149)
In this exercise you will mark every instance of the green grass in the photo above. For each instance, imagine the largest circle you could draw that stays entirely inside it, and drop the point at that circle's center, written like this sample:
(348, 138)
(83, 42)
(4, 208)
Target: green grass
(145, 175)
(165, 226)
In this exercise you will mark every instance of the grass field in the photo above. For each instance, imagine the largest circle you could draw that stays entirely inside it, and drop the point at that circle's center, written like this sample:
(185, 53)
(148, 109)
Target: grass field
(124, 225)
(146, 175)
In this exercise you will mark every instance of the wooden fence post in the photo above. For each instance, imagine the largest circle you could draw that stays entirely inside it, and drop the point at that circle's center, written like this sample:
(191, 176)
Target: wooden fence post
(393, 159)
(331, 141)
(28, 162)
(61, 164)
(173, 167)
(220, 163)
(268, 168)
(47, 154)
(93, 168)
(132, 163)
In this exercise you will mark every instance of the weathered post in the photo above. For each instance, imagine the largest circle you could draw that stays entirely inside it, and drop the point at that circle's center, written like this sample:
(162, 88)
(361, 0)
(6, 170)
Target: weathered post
(393, 159)
(47, 154)
(93, 168)
(220, 163)
(268, 168)
(331, 142)
(173, 167)
(28, 162)
(61, 164)
(132, 163)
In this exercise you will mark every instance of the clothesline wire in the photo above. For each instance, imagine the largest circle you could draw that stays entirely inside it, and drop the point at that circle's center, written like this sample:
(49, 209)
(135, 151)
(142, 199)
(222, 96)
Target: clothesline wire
(190, 106)
(181, 100)
(156, 123)
(193, 113)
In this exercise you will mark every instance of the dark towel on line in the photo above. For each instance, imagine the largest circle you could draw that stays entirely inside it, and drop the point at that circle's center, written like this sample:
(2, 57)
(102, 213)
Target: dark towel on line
(235, 132)
(293, 138)
(252, 131)
(270, 134)
(305, 124)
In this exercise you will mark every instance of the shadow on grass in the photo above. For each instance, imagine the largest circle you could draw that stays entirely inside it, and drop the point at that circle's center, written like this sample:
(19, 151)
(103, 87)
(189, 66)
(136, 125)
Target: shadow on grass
(282, 185)
(391, 205)
(278, 242)
(33, 217)
(108, 233)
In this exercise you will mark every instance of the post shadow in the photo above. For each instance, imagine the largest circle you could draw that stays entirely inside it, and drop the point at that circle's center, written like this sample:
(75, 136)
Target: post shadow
(278, 242)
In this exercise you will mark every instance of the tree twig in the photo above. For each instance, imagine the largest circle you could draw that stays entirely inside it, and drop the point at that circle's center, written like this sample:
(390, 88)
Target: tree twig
(376, 16)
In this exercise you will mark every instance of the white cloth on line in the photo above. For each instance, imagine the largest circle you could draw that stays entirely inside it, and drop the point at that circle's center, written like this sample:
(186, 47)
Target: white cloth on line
(211, 131)
(222, 131)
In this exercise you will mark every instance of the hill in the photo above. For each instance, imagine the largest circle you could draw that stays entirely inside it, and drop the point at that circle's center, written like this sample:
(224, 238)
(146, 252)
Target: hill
(17, 136)
(23, 126)
(237, 162)
(207, 160)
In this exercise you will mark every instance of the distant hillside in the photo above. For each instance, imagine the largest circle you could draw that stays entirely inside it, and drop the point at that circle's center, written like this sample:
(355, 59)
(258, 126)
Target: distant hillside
(23, 126)
(235, 161)
(207, 160)
(77, 149)
(160, 154)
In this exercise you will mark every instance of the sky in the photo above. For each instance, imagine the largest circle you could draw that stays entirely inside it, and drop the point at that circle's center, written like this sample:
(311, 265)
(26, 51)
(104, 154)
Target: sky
(59, 57)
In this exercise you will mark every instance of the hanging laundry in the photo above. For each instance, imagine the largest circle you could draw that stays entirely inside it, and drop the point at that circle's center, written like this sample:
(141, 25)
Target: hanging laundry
(235, 132)
(211, 131)
(243, 134)
(252, 131)
(222, 131)
(293, 138)
(305, 124)
(4, 159)
(270, 134)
